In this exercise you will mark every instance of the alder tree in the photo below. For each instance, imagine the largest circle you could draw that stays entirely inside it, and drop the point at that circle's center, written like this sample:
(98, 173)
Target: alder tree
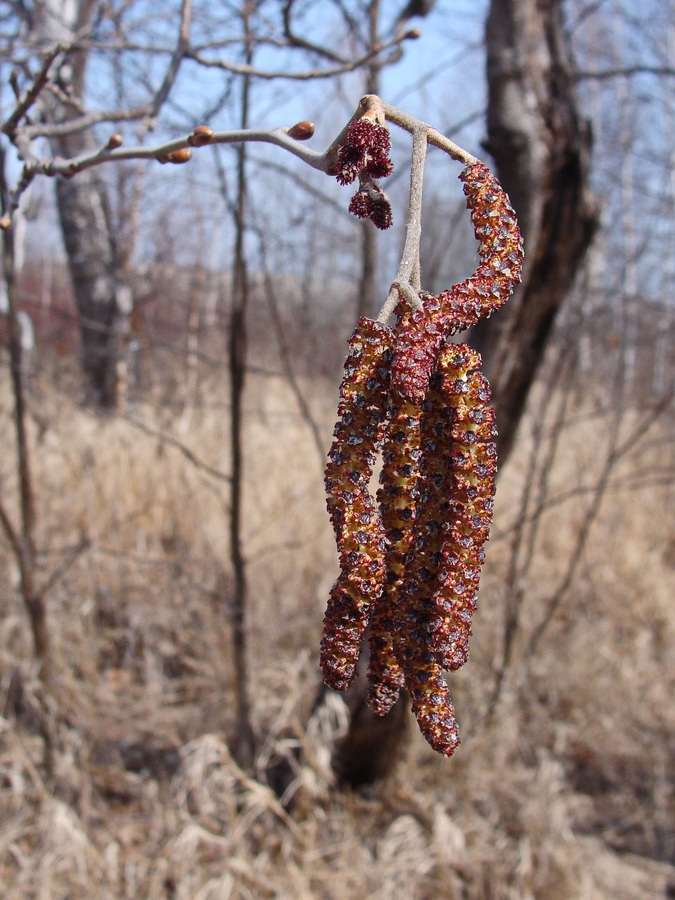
(410, 556)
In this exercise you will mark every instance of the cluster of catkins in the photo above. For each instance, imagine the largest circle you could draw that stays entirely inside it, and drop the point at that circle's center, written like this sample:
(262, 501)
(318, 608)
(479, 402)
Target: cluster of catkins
(411, 556)
(365, 155)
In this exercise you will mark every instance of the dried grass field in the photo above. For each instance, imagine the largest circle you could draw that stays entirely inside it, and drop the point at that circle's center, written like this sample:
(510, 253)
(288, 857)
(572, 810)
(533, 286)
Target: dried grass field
(564, 792)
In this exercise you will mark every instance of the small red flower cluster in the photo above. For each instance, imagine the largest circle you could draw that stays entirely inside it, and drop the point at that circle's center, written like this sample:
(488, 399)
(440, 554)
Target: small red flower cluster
(366, 152)
(372, 204)
(366, 155)
(411, 557)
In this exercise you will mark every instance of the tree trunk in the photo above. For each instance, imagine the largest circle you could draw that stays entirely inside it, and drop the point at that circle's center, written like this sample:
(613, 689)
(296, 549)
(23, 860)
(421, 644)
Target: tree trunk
(103, 301)
(540, 145)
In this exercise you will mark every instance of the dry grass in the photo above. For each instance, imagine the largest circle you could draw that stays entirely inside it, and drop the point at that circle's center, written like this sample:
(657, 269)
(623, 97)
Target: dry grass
(565, 794)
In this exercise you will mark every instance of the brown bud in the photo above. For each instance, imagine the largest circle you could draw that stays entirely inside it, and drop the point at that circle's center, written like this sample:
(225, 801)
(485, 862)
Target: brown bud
(5, 222)
(301, 131)
(180, 156)
(115, 140)
(200, 136)
(413, 34)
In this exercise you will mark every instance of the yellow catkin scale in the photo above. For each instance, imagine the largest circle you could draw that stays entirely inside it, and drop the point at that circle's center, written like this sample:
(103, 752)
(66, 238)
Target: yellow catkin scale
(353, 511)
(397, 498)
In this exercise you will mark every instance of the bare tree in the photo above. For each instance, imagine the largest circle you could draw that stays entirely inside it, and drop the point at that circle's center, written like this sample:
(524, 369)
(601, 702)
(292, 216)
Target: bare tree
(58, 95)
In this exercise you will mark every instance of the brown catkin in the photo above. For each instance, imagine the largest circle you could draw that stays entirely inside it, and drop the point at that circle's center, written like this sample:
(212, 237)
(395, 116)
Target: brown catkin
(423, 673)
(501, 255)
(500, 251)
(473, 468)
(353, 511)
(410, 566)
(397, 498)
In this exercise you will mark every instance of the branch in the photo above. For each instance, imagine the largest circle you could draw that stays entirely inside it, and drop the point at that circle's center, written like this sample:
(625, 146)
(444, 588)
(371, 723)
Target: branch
(407, 283)
(179, 149)
(95, 117)
(310, 74)
(173, 442)
(624, 72)
(411, 124)
(176, 59)
(296, 41)
(25, 102)
(10, 532)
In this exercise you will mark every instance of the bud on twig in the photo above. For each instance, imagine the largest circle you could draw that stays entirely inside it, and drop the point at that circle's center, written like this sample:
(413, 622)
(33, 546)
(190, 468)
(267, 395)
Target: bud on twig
(301, 131)
(180, 156)
(201, 136)
(114, 141)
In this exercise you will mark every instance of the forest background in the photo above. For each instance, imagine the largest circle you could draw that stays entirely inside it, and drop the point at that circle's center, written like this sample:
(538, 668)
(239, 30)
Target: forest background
(166, 551)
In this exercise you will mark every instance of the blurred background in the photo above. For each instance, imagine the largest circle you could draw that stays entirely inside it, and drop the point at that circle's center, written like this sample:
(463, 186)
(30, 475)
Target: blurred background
(172, 340)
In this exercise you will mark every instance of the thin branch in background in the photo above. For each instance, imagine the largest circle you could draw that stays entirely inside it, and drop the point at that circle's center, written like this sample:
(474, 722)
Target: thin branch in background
(23, 538)
(624, 72)
(177, 58)
(28, 99)
(191, 457)
(522, 537)
(616, 450)
(297, 41)
(285, 352)
(308, 75)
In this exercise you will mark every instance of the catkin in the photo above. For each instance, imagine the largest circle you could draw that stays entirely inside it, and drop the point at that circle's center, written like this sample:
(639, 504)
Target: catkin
(477, 297)
(353, 511)
(397, 497)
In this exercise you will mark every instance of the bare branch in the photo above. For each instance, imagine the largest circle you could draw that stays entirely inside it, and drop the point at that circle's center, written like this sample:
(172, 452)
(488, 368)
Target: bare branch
(176, 59)
(94, 117)
(623, 72)
(310, 74)
(174, 442)
(411, 124)
(10, 532)
(25, 102)
(179, 150)
(297, 41)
